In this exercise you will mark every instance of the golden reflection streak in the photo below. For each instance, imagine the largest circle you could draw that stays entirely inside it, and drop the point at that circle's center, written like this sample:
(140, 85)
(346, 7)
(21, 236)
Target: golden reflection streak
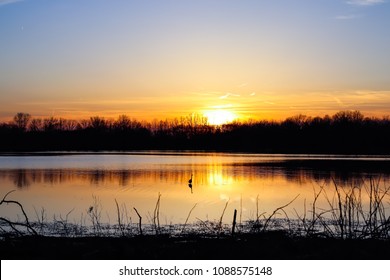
(59, 191)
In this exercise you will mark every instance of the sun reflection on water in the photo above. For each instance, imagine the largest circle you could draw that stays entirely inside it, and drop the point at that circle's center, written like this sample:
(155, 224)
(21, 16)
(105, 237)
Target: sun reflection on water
(247, 187)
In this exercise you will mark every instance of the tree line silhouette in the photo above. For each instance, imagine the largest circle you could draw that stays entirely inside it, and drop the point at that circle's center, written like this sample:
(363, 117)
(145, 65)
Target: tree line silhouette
(346, 132)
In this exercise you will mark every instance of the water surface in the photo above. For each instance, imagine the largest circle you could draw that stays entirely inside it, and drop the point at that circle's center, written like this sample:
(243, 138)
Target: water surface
(62, 183)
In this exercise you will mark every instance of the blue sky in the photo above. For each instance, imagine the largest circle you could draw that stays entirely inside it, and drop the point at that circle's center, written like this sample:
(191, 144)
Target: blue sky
(258, 59)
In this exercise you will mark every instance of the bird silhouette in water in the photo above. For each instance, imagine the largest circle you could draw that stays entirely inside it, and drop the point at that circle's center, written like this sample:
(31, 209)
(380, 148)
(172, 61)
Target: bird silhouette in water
(190, 183)
(190, 180)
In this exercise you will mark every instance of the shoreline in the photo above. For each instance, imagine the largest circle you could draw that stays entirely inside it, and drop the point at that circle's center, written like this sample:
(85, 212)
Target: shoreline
(275, 245)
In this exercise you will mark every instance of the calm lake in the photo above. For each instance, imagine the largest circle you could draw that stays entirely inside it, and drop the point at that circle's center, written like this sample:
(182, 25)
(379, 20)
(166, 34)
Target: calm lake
(62, 183)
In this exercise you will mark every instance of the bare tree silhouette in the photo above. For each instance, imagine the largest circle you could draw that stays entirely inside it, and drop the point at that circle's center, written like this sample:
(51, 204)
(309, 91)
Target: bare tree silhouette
(21, 120)
(348, 132)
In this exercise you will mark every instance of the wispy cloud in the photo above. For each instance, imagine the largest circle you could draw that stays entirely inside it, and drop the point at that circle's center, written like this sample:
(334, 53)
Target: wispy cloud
(347, 17)
(365, 2)
(339, 102)
(243, 85)
(5, 2)
(228, 94)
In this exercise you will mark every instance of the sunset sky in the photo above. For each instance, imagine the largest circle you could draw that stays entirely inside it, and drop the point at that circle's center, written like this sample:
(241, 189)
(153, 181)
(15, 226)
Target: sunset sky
(162, 59)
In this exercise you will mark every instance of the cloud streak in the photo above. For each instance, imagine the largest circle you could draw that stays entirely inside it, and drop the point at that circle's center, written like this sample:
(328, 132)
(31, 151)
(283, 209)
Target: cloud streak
(228, 94)
(365, 2)
(6, 2)
(347, 17)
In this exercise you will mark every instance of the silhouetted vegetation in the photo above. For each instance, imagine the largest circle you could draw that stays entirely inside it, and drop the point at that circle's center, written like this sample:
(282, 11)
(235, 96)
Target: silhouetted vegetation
(349, 228)
(346, 132)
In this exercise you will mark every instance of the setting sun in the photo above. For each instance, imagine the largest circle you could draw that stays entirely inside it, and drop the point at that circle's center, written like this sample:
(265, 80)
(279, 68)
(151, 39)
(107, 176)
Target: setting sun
(219, 116)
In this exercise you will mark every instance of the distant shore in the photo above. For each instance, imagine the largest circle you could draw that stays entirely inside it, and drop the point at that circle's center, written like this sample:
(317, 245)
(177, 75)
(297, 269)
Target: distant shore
(346, 132)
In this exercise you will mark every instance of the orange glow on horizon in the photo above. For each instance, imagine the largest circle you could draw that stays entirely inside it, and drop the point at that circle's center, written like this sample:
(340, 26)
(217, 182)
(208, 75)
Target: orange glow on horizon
(214, 117)
(239, 106)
